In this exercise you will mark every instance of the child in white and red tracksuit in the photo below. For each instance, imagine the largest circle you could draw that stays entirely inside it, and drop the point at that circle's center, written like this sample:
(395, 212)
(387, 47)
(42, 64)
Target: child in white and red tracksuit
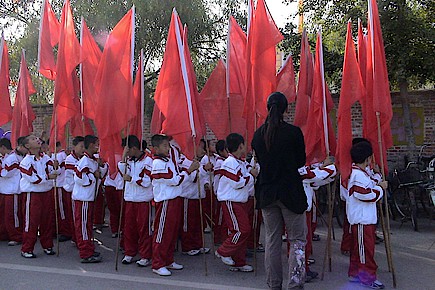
(361, 213)
(68, 185)
(233, 193)
(36, 183)
(87, 176)
(11, 227)
(113, 194)
(166, 180)
(314, 177)
(138, 195)
(220, 229)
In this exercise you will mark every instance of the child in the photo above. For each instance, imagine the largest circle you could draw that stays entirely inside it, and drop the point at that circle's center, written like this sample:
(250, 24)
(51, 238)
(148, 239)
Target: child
(67, 225)
(233, 193)
(137, 195)
(87, 176)
(208, 161)
(38, 172)
(113, 193)
(166, 180)
(362, 216)
(64, 233)
(10, 196)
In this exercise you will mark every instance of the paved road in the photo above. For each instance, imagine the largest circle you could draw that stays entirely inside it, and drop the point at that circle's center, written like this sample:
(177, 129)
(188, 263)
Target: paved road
(414, 260)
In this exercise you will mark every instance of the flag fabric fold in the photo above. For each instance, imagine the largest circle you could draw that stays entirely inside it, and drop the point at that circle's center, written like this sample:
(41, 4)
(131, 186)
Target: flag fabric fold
(5, 97)
(49, 32)
(23, 115)
(352, 90)
(286, 80)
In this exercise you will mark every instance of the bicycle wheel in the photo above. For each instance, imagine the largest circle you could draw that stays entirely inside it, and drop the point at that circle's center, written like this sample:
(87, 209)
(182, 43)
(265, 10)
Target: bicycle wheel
(401, 202)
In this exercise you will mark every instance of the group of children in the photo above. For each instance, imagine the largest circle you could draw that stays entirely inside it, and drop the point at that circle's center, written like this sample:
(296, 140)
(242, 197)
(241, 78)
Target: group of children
(219, 185)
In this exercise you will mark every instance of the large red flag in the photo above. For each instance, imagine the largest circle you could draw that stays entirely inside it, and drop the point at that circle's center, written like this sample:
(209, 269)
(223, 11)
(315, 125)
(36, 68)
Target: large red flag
(49, 32)
(136, 124)
(263, 37)
(378, 88)
(236, 76)
(214, 102)
(66, 100)
(23, 115)
(5, 97)
(114, 89)
(175, 93)
(305, 84)
(286, 80)
(320, 138)
(90, 55)
(156, 120)
(352, 90)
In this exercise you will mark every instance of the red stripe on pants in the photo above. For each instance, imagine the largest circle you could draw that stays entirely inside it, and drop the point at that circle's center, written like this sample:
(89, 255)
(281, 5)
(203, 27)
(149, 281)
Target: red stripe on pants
(83, 227)
(113, 199)
(346, 241)
(362, 254)
(236, 218)
(38, 210)
(137, 229)
(166, 229)
(191, 231)
(251, 213)
(11, 223)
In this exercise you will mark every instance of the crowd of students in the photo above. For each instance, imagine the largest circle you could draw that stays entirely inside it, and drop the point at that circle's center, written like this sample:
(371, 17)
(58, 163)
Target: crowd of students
(219, 184)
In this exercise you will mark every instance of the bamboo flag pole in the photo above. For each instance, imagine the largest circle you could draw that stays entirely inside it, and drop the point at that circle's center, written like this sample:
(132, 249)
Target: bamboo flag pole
(210, 175)
(55, 184)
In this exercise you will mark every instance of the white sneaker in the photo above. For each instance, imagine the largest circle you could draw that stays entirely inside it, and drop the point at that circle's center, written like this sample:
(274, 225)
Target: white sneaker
(192, 252)
(226, 260)
(143, 262)
(205, 250)
(13, 243)
(163, 271)
(175, 266)
(127, 260)
(246, 268)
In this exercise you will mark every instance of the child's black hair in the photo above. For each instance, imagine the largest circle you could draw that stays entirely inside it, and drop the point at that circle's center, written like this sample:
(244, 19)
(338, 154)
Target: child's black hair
(158, 139)
(20, 140)
(358, 140)
(6, 142)
(360, 152)
(132, 141)
(90, 139)
(77, 140)
(220, 146)
(233, 142)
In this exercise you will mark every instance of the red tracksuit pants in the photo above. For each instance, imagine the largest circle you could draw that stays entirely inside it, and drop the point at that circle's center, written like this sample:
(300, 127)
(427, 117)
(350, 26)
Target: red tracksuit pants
(251, 213)
(113, 199)
(166, 229)
(237, 220)
(362, 254)
(346, 241)
(137, 229)
(38, 209)
(83, 226)
(65, 213)
(220, 228)
(11, 221)
(191, 231)
(99, 208)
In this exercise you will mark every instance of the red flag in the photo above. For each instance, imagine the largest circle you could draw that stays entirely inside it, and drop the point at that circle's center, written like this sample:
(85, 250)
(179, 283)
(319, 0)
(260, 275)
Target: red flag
(5, 97)
(136, 127)
(305, 84)
(352, 90)
(90, 55)
(262, 40)
(214, 102)
(286, 80)
(23, 115)
(49, 32)
(114, 89)
(378, 88)
(66, 99)
(236, 76)
(320, 138)
(362, 51)
(175, 93)
(156, 120)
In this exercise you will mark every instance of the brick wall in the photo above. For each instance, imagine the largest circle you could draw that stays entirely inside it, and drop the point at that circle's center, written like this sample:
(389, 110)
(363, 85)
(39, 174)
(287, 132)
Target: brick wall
(422, 110)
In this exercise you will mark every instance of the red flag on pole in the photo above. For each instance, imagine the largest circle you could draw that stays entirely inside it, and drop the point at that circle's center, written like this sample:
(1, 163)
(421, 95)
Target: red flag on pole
(378, 88)
(286, 80)
(90, 55)
(114, 89)
(136, 127)
(352, 90)
(23, 115)
(236, 70)
(305, 84)
(362, 51)
(263, 37)
(5, 97)
(49, 32)
(156, 120)
(320, 138)
(214, 102)
(66, 100)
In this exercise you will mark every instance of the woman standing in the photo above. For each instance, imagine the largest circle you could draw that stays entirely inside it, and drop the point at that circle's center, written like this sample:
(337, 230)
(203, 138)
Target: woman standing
(280, 150)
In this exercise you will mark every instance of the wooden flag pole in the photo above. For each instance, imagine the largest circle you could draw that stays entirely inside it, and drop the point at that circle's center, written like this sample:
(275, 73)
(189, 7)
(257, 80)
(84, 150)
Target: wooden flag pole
(55, 185)
(386, 227)
(210, 180)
